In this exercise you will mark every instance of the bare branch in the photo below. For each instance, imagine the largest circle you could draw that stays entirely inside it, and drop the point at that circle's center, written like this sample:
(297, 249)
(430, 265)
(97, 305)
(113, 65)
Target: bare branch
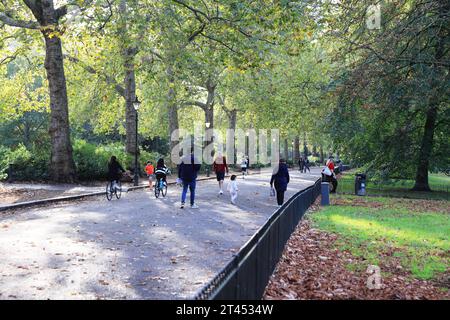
(60, 12)
(18, 23)
(194, 103)
(109, 80)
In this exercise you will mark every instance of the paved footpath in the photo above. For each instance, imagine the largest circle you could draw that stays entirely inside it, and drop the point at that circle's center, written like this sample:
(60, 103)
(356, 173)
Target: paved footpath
(137, 247)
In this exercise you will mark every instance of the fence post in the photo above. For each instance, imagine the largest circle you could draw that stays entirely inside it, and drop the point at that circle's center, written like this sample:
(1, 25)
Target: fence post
(325, 189)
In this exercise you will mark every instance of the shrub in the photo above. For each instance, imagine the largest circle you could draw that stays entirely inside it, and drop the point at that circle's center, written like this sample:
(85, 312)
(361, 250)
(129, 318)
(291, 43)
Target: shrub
(4, 163)
(26, 164)
(91, 161)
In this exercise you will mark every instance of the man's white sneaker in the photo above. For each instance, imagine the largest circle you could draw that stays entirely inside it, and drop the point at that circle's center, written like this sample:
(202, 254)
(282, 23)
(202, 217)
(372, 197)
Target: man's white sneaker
(194, 206)
(182, 206)
(220, 192)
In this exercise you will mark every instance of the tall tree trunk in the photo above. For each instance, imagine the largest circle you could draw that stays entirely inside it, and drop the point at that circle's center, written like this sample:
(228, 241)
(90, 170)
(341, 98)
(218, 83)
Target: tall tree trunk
(321, 155)
(232, 119)
(172, 109)
(286, 149)
(128, 54)
(209, 111)
(130, 96)
(296, 149)
(426, 148)
(62, 166)
(209, 118)
(26, 131)
(421, 183)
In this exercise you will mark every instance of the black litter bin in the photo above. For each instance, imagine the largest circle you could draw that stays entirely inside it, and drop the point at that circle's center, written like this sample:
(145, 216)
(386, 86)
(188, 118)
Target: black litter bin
(360, 184)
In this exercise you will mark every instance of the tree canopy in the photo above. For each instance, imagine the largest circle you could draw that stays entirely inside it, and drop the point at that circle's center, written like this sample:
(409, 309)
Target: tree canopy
(322, 72)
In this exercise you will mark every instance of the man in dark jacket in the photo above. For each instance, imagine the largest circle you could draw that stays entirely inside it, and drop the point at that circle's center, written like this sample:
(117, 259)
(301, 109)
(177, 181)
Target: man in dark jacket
(187, 172)
(281, 179)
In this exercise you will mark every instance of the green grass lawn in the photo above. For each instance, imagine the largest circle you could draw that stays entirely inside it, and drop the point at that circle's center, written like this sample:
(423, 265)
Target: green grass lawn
(439, 183)
(382, 229)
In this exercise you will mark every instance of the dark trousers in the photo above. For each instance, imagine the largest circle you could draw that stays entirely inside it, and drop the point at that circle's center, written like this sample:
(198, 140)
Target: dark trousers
(191, 186)
(280, 197)
(332, 180)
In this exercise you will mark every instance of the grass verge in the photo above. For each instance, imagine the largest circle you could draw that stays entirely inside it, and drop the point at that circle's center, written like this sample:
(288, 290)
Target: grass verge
(395, 233)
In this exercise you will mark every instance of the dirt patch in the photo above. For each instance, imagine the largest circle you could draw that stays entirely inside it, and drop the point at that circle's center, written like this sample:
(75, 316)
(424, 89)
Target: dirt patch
(312, 268)
(9, 196)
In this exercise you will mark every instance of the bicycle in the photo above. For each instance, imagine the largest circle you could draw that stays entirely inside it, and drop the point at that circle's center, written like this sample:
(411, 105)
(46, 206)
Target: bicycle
(110, 190)
(160, 187)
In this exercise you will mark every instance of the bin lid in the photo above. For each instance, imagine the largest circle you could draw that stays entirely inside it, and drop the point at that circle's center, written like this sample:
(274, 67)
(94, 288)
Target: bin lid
(362, 175)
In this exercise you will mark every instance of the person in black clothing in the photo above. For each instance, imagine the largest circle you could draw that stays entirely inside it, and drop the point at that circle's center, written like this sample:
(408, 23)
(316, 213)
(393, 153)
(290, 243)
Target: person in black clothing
(280, 179)
(114, 171)
(300, 164)
(161, 171)
(187, 172)
(306, 165)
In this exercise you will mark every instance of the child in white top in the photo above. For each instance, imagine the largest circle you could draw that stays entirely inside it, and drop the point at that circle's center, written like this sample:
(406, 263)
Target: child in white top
(232, 187)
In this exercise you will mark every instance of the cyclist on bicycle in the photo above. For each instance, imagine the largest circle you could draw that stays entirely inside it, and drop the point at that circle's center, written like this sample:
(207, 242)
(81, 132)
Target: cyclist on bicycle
(114, 169)
(161, 172)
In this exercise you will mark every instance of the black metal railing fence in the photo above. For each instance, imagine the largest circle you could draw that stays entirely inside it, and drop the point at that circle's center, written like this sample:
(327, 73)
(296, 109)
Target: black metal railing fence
(246, 276)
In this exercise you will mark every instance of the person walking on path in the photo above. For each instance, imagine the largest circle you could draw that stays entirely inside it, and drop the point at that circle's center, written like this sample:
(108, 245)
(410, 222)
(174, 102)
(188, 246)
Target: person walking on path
(233, 188)
(300, 164)
(280, 178)
(220, 167)
(244, 164)
(187, 172)
(114, 171)
(306, 165)
(150, 170)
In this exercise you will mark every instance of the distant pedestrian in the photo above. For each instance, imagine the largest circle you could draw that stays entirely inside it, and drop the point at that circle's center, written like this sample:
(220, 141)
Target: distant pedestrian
(220, 167)
(300, 164)
(187, 172)
(150, 170)
(244, 164)
(233, 189)
(280, 179)
(306, 165)
(340, 167)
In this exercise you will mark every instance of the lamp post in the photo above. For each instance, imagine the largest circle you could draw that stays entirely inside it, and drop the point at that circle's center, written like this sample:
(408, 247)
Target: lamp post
(136, 105)
(207, 142)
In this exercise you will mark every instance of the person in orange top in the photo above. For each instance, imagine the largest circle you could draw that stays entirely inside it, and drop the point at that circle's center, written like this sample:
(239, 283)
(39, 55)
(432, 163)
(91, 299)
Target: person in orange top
(150, 170)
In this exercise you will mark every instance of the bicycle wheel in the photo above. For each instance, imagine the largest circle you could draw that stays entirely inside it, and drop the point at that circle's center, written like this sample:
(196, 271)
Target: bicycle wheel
(164, 190)
(118, 191)
(108, 191)
(156, 191)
